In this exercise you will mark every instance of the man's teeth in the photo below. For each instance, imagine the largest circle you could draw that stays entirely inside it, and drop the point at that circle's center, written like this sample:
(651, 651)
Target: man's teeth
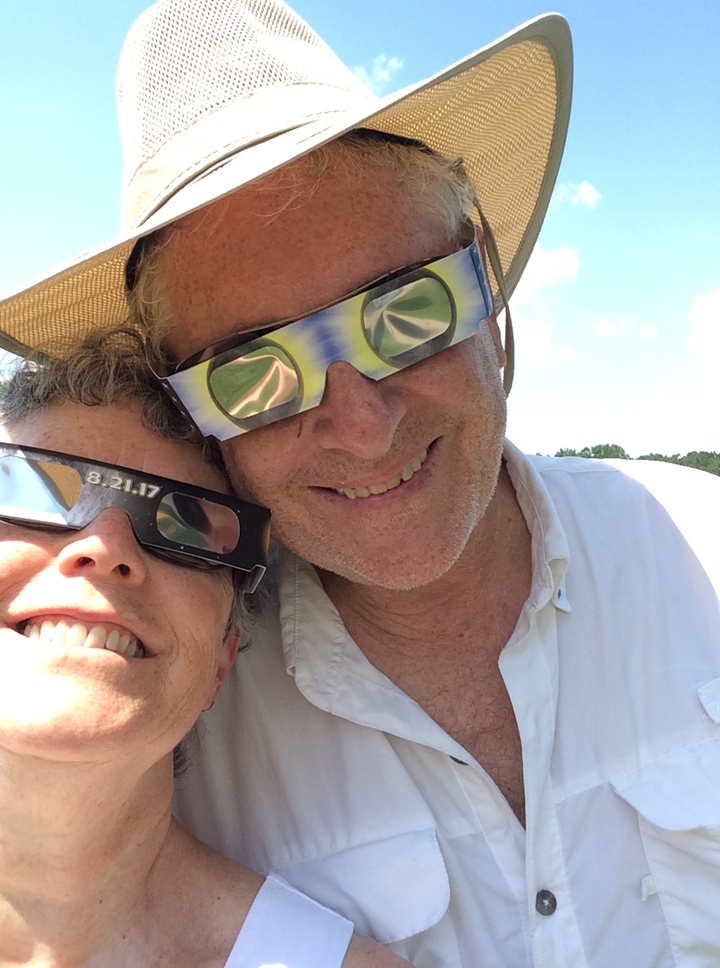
(63, 634)
(405, 474)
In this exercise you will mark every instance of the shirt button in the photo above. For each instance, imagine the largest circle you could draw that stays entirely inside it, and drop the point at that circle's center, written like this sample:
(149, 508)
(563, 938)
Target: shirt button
(545, 903)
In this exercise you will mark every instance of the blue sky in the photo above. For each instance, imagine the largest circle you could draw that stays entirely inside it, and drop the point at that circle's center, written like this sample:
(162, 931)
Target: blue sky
(618, 316)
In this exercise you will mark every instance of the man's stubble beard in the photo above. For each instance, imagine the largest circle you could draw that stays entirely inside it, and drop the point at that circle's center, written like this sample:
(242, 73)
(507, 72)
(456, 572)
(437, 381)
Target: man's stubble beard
(321, 546)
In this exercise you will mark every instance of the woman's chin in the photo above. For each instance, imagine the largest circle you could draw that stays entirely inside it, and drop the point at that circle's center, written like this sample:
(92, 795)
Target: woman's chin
(60, 718)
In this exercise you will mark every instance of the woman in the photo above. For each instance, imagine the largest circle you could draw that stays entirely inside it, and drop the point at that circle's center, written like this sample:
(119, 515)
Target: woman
(117, 627)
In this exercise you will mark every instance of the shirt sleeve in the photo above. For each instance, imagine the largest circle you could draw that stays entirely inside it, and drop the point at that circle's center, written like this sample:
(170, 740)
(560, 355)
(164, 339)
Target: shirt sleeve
(286, 929)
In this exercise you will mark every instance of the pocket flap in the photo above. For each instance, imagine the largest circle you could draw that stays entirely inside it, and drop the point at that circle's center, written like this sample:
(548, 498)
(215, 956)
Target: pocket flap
(709, 696)
(681, 791)
(391, 888)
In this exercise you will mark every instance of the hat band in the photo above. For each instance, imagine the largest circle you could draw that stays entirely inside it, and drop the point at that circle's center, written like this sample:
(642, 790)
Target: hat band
(185, 155)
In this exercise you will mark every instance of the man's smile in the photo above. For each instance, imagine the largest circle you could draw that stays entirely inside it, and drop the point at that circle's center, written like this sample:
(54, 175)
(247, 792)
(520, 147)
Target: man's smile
(403, 475)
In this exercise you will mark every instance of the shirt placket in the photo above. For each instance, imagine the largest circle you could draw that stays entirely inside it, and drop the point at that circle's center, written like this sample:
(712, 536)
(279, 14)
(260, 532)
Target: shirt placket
(529, 668)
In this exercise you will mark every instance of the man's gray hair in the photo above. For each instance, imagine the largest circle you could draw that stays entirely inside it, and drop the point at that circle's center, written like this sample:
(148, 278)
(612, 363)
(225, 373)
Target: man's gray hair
(437, 186)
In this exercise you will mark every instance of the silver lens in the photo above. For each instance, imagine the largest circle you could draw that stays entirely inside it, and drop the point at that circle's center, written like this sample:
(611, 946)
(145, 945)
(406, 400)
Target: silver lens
(197, 523)
(35, 490)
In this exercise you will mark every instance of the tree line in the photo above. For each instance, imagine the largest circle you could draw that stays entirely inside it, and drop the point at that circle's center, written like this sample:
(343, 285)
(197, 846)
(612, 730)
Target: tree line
(705, 460)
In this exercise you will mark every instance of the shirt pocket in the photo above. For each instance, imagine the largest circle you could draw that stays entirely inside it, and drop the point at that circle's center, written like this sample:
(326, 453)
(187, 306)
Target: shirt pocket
(677, 801)
(391, 888)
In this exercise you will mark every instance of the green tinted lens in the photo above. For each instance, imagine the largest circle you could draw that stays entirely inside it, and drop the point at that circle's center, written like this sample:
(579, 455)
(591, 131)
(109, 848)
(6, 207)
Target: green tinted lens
(260, 380)
(401, 320)
(37, 490)
(197, 523)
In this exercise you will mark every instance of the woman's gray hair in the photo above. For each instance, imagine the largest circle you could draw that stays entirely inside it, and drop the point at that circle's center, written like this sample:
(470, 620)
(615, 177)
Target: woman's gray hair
(438, 187)
(109, 366)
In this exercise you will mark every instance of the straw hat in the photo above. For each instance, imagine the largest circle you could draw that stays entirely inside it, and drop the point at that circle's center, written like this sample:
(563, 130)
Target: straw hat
(213, 94)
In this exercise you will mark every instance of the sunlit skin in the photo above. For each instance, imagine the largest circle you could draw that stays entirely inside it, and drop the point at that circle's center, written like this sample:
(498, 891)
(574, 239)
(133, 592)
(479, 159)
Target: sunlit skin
(253, 259)
(429, 578)
(75, 702)
(94, 872)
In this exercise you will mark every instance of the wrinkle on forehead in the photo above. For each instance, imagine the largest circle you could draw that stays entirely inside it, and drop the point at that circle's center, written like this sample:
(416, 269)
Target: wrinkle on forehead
(274, 251)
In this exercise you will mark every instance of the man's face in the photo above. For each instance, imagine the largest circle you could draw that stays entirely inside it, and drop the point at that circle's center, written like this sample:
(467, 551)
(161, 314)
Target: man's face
(330, 474)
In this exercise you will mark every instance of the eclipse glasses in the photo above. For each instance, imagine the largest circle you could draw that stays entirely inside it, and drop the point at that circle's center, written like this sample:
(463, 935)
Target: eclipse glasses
(185, 524)
(254, 378)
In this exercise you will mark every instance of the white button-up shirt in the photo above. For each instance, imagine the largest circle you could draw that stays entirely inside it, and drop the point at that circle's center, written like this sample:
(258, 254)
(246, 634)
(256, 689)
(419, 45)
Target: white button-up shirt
(316, 766)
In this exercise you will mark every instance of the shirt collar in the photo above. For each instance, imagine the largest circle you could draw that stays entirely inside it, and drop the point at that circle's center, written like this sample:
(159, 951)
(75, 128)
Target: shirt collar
(550, 551)
(331, 671)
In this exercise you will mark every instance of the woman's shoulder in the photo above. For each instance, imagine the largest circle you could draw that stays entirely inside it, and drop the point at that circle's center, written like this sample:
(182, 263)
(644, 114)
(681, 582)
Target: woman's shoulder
(201, 898)
(237, 919)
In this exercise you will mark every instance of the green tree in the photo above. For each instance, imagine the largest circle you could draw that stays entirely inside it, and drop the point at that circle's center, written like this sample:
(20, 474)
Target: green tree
(704, 460)
(599, 451)
(668, 458)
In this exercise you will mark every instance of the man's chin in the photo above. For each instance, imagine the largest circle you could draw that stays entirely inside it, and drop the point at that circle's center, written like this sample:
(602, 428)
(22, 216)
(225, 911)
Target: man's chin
(401, 570)
(399, 552)
(381, 581)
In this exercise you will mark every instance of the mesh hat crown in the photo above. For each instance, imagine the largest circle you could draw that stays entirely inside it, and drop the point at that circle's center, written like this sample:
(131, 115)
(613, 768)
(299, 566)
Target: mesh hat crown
(202, 80)
(214, 94)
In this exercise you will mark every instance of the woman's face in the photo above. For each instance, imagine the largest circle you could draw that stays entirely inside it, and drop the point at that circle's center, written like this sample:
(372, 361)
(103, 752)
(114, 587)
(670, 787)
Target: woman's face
(62, 699)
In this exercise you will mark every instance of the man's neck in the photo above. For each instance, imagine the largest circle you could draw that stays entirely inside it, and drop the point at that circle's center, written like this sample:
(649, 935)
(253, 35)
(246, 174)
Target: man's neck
(473, 607)
(440, 643)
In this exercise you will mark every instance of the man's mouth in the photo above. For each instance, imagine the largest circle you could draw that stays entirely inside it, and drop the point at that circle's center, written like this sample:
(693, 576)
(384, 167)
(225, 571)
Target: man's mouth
(64, 634)
(405, 474)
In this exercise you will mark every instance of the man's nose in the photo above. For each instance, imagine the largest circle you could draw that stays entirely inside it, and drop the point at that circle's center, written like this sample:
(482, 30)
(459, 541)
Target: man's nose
(356, 414)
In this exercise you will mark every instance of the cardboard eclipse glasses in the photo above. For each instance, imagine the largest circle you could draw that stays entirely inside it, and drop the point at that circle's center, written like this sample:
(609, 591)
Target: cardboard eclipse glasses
(185, 524)
(255, 378)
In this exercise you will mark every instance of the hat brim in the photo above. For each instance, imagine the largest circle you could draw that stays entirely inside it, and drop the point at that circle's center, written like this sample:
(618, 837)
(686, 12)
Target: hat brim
(504, 110)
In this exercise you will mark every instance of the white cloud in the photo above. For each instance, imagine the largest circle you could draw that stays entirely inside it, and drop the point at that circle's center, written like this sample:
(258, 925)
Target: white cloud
(530, 304)
(620, 326)
(379, 75)
(535, 339)
(704, 323)
(581, 194)
(546, 268)
(648, 332)
(629, 383)
(607, 327)
(587, 194)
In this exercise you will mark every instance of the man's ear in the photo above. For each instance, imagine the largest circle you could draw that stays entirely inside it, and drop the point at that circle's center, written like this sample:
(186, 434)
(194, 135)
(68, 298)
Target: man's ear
(226, 659)
(492, 325)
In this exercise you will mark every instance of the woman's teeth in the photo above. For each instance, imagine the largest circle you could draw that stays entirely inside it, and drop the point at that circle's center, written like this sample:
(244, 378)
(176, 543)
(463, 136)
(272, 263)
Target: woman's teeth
(405, 474)
(63, 634)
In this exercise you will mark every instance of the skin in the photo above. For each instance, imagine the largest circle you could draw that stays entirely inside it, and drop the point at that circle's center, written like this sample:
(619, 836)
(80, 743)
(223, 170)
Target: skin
(86, 736)
(101, 575)
(429, 578)
(249, 262)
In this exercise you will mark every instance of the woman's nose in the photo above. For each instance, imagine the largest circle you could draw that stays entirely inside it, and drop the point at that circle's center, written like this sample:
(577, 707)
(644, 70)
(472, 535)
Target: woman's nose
(106, 548)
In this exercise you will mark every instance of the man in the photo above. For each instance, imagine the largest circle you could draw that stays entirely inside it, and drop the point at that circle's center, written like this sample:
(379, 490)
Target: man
(481, 711)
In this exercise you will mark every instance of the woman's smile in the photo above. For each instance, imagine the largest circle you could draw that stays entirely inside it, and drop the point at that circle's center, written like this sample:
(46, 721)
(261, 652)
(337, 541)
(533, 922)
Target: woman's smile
(66, 633)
